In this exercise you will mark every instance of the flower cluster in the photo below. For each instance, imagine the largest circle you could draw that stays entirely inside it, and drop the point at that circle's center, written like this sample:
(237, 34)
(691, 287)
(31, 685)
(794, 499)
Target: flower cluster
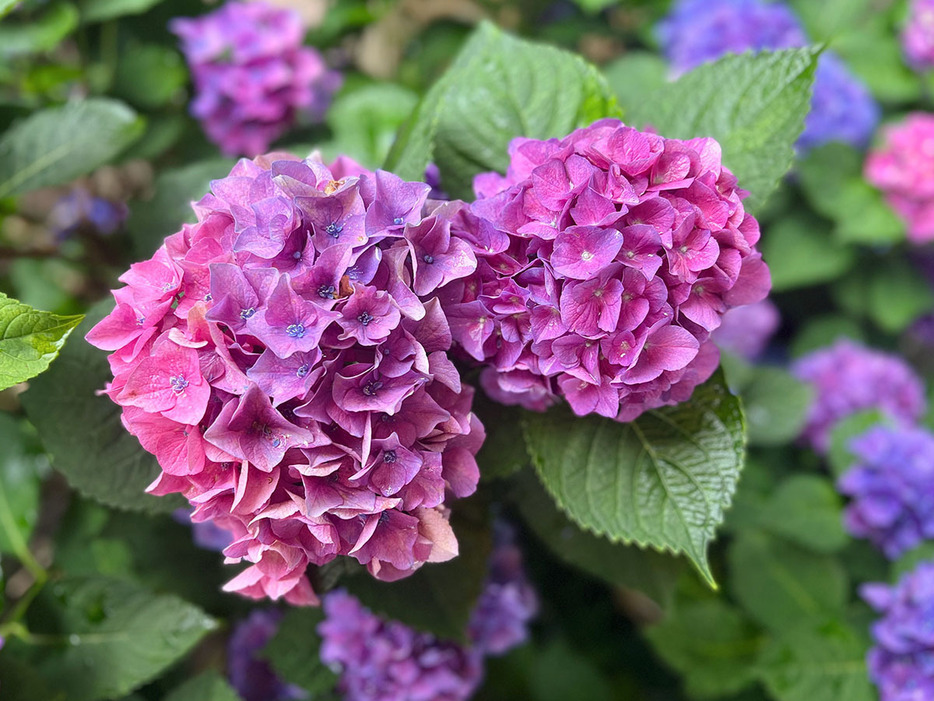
(849, 378)
(746, 331)
(901, 663)
(903, 169)
(381, 660)
(698, 31)
(285, 360)
(890, 485)
(604, 262)
(252, 75)
(918, 35)
(251, 676)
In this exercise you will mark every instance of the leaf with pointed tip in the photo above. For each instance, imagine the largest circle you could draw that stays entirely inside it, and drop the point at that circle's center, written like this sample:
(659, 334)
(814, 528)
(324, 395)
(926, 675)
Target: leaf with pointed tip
(661, 481)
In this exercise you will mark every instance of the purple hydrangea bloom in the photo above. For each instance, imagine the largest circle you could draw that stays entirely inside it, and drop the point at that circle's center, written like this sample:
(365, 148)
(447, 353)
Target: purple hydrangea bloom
(746, 331)
(918, 35)
(251, 676)
(605, 261)
(253, 78)
(79, 210)
(849, 378)
(698, 31)
(285, 359)
(890, 487)
(901, 663)
(381, 660)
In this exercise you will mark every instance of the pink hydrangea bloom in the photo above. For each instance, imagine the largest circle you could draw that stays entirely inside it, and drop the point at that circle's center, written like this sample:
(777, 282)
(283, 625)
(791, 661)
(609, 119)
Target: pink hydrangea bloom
(849, 378)
(606, 259)
(918, 35)
(903, 168)
(252, 75)
(293, 386)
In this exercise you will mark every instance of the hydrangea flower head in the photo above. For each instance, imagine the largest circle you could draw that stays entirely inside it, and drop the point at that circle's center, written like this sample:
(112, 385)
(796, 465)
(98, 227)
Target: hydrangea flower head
(746, 331)
(605, 260)
(251, 676)
(698, 31)
(901, 662)
(252, 75)
(903, 169)
(890, 487)
(918, 35)
(381, 660)
(849, 378)
(293, 385)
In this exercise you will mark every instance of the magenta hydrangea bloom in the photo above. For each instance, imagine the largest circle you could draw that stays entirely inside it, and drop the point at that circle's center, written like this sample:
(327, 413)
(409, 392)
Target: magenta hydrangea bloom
(250, 675)
(605, 260)
(746, 331)
(380, 660)
(890, 487)
(849, 378)
(277, 361)
(901, 662)
(252, 76)
(903, 169)
(918, 35)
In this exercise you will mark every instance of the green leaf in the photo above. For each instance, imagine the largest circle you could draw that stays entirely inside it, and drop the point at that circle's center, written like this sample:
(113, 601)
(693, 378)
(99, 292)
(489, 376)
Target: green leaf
(781, 584)
(21, 682)
(149, 75)
(503, 452)
(6, 6)
(663, 480)
(898, 294)
(614, 563)
(754, 105)
(29, 340)
(801, 252)
(821, 330)
(634, 75)
(58, 144)
(364, 122)
(807, 510)
(710, 644)
(818, 662)
(497, 88)
(594, 6)
(37, 36)
(832, 182)
(561, 673)
(82, 431)
(294, 652)
(775, 403)
(208, 686)
(440, 597)
(151, 221)
(839, 457)
(19, 487)
(116, 636)
(102, 10)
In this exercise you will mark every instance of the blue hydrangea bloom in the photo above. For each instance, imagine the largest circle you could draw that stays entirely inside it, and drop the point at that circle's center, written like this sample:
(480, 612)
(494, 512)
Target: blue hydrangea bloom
(901, 662)
(697, 31)
(250, 675)
(891, 487)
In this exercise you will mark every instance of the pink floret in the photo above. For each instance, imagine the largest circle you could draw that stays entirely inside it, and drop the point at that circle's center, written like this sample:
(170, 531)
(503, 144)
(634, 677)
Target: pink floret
(277, 361)
(605, 261)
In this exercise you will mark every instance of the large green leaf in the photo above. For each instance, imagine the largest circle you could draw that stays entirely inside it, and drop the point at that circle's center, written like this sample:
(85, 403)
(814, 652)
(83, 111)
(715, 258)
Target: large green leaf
(817, 662)
(208, 686)
(711, 644)
(19, 487)
(781, 585)
(103, 10)
(499, 87)
(663, 480)
(29, 340)
(617, 564)
(6, 6)
(58, 144)
(364, 121)
(37, 35)
(801, 251)
(82, 432)
(294, 652)
(754, 105)
(116, 636)
(807, 510)
(440, 597)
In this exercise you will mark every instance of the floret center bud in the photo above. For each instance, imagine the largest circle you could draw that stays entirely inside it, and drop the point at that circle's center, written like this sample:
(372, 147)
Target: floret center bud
(295, 330)
(365, 318)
